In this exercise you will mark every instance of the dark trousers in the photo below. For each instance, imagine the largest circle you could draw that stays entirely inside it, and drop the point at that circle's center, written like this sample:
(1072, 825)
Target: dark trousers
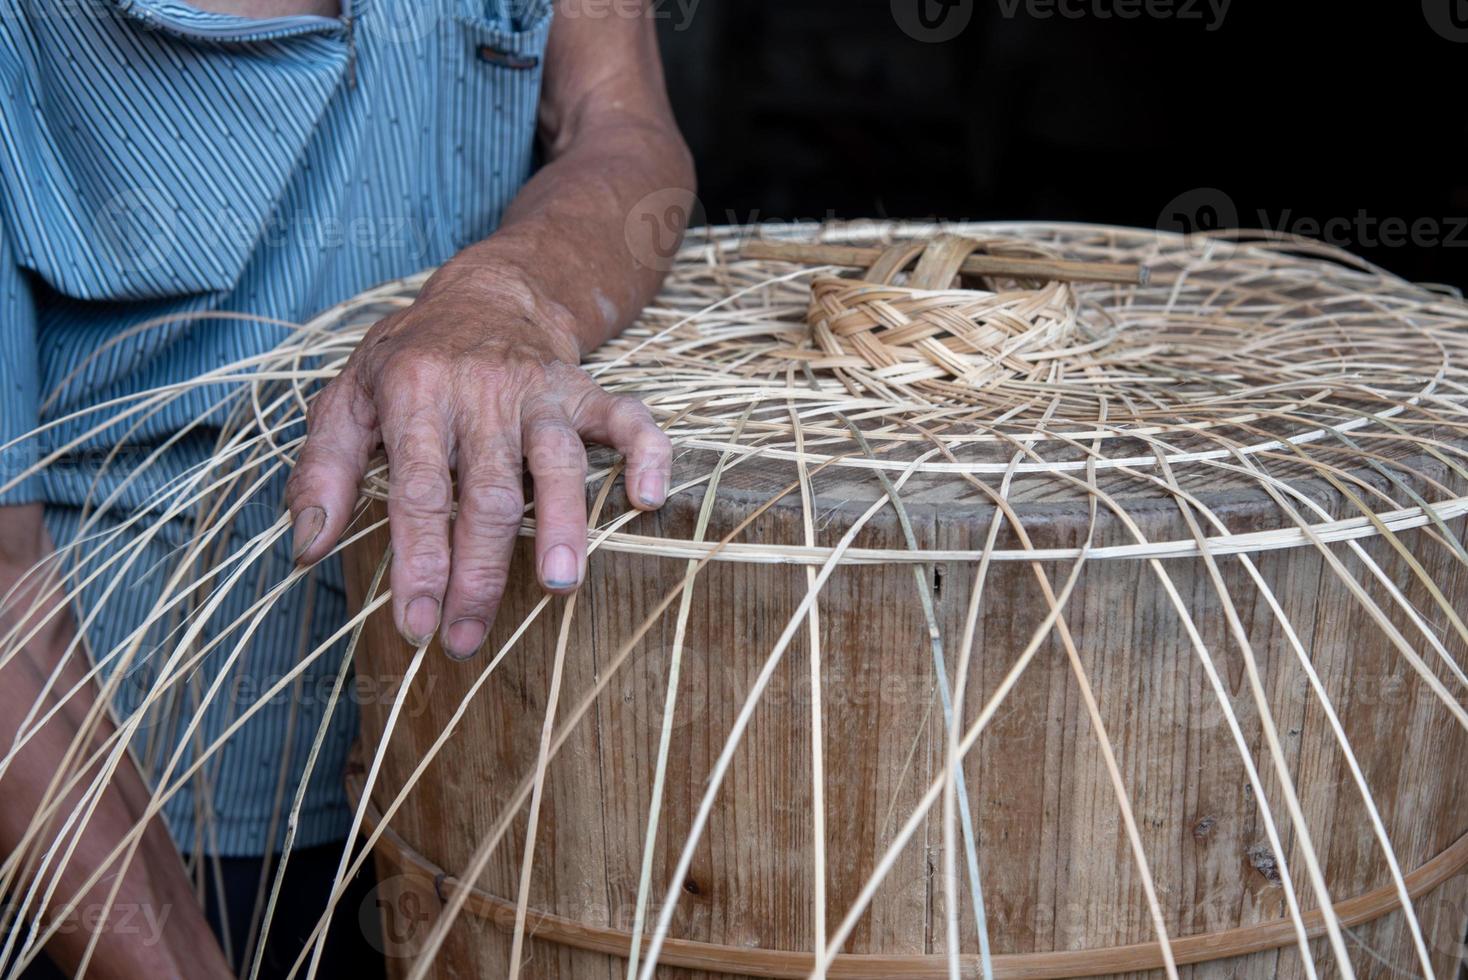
(353, 943)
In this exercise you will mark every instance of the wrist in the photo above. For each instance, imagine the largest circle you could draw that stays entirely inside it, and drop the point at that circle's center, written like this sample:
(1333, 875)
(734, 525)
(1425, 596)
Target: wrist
(506, 282)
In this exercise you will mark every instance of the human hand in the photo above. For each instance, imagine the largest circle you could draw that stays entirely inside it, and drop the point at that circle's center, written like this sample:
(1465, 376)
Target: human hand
(478, 376)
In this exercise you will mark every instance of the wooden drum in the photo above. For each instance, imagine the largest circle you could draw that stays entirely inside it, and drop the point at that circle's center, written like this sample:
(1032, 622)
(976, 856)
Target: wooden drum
(1239, 487)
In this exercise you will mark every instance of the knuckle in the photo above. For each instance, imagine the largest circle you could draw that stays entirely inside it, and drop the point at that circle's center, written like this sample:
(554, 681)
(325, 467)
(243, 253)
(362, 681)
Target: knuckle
(631, 411)
(488, 377)
(633, 407)
(653, 441)
(555, 448)
(586, 399)
(650, 443)
(411, 374)
(564, 380)
(502, 389)
(422, 487)
(480, 583)
(493, 507)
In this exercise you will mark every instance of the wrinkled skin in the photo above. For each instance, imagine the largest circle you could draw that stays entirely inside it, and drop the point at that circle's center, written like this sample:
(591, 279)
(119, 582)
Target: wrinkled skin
(440, 397)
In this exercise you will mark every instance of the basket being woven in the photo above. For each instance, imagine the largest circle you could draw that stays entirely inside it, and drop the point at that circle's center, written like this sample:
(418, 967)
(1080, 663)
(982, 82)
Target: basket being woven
(928, 333)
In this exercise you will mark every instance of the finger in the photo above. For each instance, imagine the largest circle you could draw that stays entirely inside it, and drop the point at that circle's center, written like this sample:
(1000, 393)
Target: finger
(557, 463)
(341, 432)
(491, 507)
(420, 498)
(626, 425)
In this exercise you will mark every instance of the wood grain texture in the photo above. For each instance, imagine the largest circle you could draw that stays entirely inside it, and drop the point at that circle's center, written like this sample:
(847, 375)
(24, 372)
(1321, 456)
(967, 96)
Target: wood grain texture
(1057, 871)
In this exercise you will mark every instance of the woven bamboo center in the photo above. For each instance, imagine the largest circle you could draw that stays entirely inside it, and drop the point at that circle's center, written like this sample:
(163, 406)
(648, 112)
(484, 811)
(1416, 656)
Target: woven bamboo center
(925, 327)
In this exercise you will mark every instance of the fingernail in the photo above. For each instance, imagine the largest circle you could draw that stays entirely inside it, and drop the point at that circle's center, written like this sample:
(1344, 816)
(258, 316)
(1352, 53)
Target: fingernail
(306, 530)
(421, 620)
(558, 570)
(464, 637)
(652, 488)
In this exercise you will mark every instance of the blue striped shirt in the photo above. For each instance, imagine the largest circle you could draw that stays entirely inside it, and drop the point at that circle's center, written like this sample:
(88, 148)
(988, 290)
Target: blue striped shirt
(159, 160)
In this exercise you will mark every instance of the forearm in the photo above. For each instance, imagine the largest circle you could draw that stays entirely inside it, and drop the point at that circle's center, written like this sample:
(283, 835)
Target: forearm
(154, 927)
(574, 234)
(585, 244)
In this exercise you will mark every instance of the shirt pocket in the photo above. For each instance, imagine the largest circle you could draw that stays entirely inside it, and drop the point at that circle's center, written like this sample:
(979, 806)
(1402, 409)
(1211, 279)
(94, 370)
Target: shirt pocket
(489, 119)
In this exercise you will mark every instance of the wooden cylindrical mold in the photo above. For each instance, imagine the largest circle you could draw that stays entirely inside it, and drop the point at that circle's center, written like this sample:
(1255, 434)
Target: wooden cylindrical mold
(1063, 896)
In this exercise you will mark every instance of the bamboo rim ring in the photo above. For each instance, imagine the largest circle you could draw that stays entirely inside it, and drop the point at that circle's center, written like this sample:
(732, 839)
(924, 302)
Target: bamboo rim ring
(788, 965)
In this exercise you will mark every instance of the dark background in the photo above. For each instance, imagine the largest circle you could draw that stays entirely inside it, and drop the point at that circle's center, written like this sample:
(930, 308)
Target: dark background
(1284, 115)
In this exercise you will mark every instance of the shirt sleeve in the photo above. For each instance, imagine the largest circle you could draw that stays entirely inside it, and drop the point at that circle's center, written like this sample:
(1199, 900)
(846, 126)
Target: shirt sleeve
(19, 380)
